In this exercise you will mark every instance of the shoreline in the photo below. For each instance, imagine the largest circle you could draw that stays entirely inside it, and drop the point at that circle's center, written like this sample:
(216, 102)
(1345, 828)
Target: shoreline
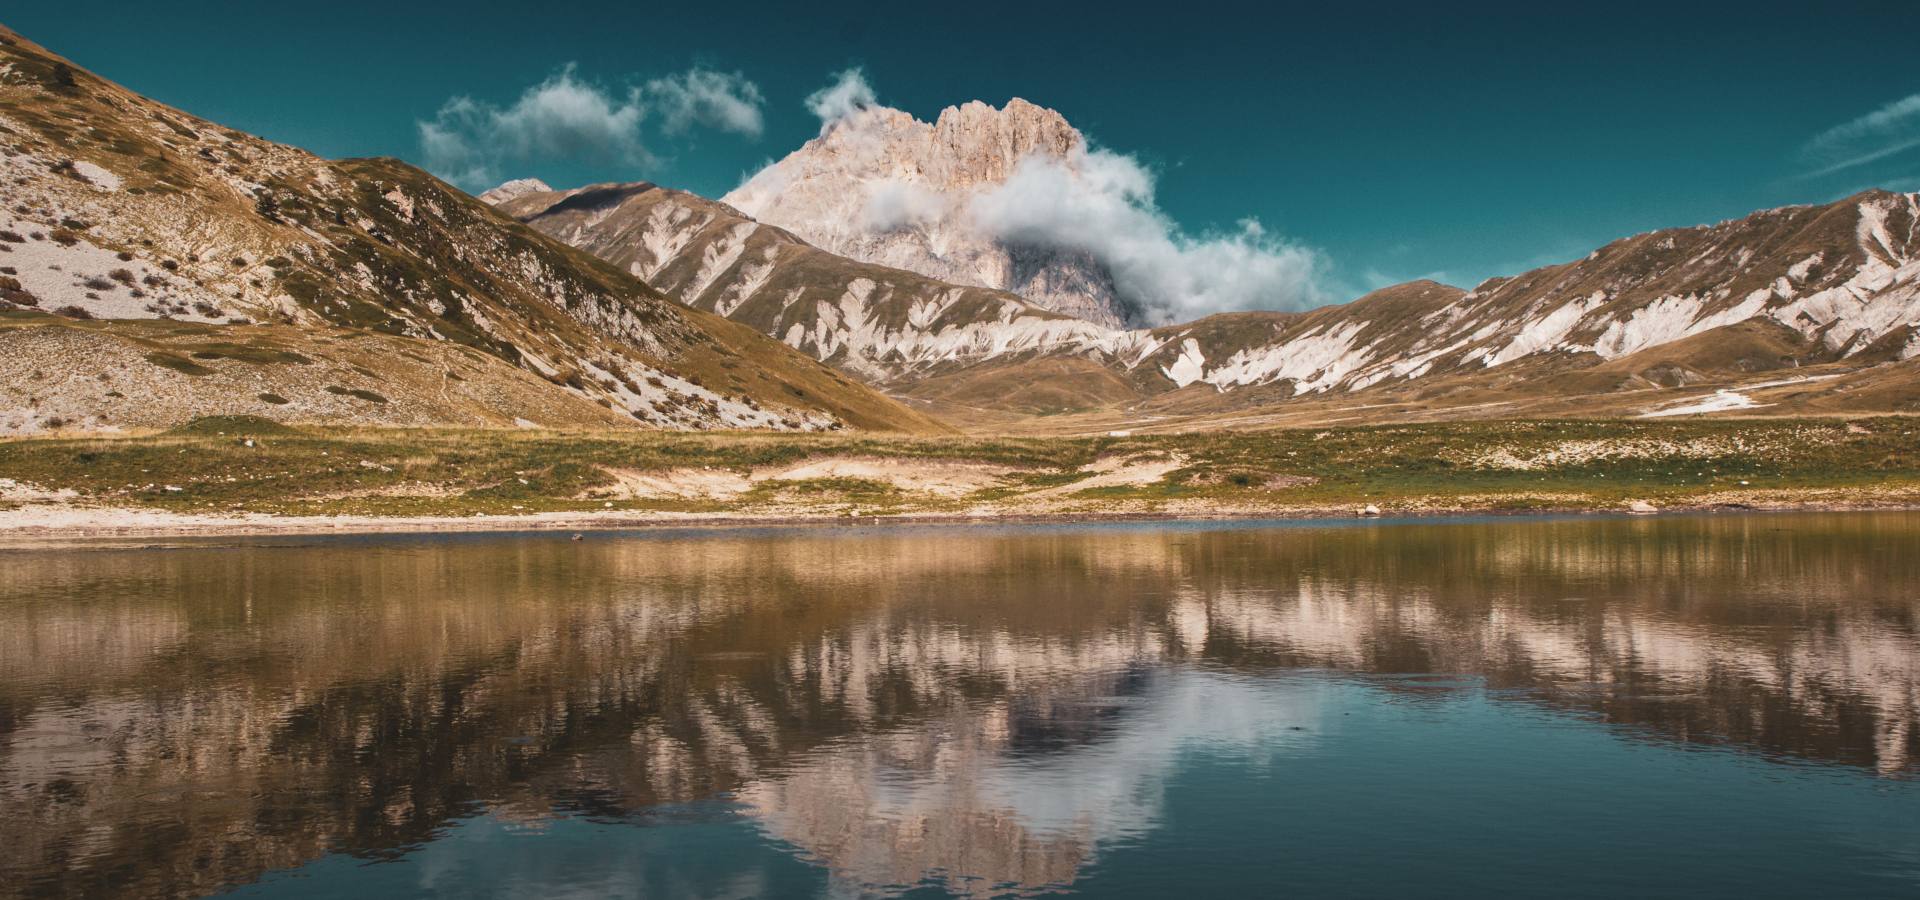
(40, 525)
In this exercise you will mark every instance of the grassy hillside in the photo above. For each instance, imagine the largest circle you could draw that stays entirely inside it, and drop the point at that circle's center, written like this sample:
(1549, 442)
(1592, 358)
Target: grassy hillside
(123, 209)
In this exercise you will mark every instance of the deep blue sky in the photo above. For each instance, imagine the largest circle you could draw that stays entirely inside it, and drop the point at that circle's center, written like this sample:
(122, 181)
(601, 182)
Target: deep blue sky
(1400, 139)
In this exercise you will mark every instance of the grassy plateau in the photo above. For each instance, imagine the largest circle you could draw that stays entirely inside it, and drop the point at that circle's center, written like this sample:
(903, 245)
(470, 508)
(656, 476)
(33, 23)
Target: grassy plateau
(232, 465)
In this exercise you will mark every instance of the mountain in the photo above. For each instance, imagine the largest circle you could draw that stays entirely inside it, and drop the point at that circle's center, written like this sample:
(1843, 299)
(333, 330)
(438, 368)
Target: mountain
(889, 326)
(883, 187)
(1841, 281)
(1805, 309)
(1825, 290)
(155, 266)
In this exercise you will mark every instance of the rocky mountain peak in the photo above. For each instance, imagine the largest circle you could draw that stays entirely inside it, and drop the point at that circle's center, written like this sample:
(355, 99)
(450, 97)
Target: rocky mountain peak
(981, 144)
(881, 186)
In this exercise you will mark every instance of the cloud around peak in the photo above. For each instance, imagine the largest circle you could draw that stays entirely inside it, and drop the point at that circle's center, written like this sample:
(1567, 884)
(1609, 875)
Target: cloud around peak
(1102, 203)
(469, 141)
(849, 93)
(1092, 201)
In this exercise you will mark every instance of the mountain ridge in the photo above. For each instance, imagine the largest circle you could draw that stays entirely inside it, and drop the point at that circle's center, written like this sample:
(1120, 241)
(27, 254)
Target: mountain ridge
(1843, 278)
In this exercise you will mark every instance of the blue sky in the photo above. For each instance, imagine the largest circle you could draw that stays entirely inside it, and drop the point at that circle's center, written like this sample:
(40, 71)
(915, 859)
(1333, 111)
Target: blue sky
(1397, 140)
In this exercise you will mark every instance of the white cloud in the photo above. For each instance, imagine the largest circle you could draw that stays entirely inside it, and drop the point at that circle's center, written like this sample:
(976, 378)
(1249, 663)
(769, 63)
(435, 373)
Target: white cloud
(1889, 130)
(848, 94)
(719, 100)
(470, 142)
(1102, 203)
(895, 204)
(561, 117)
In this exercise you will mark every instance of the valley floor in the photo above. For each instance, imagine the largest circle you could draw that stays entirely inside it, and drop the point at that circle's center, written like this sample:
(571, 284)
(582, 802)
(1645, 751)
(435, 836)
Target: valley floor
(251, 476)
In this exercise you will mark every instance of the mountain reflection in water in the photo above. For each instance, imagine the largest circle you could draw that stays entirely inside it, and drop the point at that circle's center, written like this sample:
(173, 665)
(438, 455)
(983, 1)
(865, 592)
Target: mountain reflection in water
(975, 709)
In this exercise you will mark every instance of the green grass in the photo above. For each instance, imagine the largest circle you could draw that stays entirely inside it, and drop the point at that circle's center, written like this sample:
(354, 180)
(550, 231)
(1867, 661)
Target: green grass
(220, 426)
(250, 464)
(360, 393)
(178, 363)
(258, 354)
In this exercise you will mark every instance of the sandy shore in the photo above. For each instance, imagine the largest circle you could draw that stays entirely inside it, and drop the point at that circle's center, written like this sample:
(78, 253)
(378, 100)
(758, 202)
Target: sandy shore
(63, 523)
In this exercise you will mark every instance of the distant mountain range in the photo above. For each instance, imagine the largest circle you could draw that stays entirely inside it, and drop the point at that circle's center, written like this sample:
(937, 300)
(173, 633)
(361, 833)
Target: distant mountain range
(155, 266)
(1825, 291)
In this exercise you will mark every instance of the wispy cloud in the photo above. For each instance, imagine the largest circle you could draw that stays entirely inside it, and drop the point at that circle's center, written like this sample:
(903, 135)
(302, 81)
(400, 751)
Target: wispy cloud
(470, 142)
(725, 101)
(1888, 131)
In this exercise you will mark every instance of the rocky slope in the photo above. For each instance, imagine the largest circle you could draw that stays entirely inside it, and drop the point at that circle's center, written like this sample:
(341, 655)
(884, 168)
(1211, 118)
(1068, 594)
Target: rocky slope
(1827, 289)
(880, 186)
(118, 208)
(887, 325)
(1838, 283)
(1794, 310)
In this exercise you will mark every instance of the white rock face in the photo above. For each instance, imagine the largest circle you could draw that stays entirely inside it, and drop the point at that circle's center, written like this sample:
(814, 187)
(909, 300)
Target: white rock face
(883, 187)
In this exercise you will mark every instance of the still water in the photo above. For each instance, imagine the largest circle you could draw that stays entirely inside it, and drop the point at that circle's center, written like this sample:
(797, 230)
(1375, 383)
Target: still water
(1686, 707)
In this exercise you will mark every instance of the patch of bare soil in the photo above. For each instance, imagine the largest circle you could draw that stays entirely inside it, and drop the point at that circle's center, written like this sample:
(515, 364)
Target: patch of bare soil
(1119, 471)
(672, 484)
(940, 478)
(944, 478)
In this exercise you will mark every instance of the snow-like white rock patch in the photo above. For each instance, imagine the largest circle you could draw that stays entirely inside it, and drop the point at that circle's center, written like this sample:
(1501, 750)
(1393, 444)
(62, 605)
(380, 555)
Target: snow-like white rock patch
(946, 478)
(1548, 331)
(97, 176)
(80, 275)
(1719, 401)
(27, 492)
(1315, 361)
(1191, 366)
